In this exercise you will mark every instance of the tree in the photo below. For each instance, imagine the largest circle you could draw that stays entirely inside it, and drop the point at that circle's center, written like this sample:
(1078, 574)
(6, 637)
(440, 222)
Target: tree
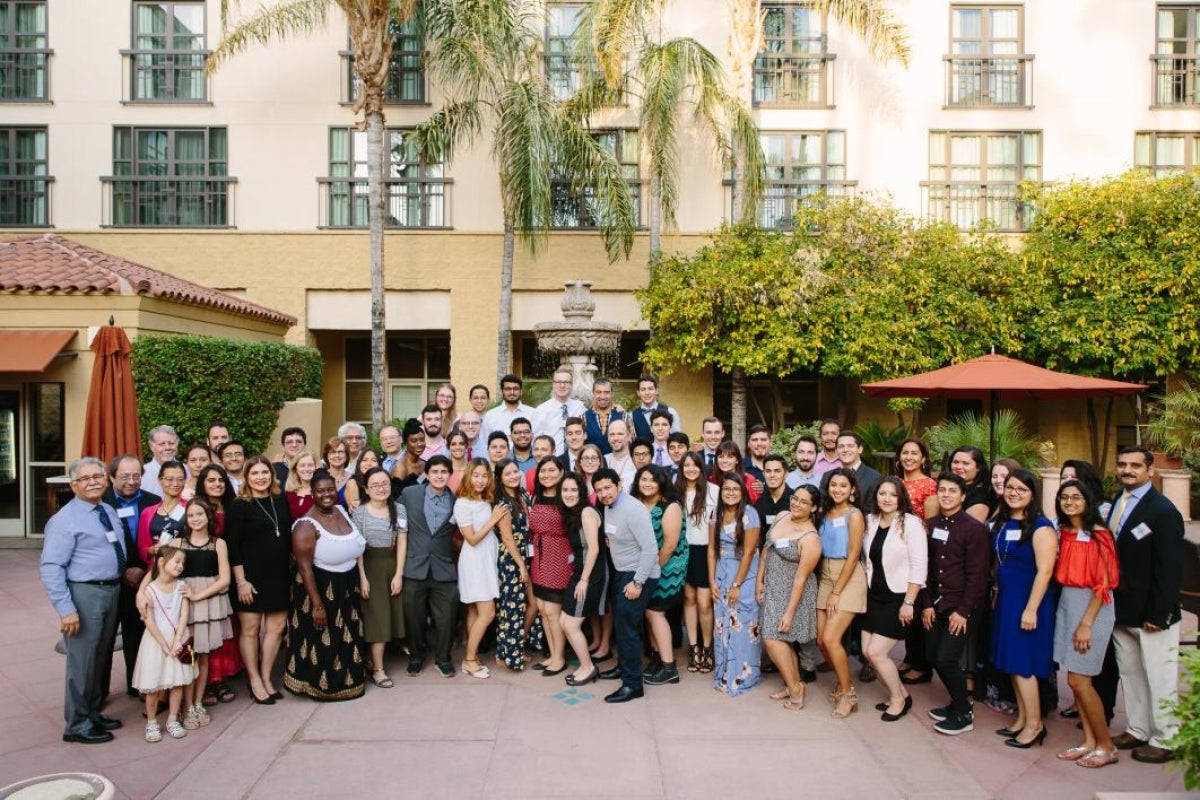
(487, 55)
(740, 303)
(370, 24)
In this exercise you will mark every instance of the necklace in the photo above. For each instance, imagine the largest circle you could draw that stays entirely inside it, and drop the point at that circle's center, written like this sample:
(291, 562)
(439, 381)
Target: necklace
(271, 515)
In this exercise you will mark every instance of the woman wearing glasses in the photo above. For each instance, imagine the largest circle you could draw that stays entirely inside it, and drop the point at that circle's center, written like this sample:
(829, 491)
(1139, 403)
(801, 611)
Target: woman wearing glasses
(383, 562)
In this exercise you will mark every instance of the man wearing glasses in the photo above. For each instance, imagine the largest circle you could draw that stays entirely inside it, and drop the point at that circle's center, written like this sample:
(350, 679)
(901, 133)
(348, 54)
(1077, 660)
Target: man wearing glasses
(83, 562)
(552, 415)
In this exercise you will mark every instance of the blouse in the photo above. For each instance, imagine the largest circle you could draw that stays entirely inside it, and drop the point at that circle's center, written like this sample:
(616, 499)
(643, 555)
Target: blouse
(696, 530)
(1088, 560)
(835, 535)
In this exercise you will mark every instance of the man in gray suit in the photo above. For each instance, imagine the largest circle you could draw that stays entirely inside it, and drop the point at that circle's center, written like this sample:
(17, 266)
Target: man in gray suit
(430, 588)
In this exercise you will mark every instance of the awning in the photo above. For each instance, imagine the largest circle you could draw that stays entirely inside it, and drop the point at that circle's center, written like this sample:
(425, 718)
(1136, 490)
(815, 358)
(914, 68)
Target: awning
(31, 350)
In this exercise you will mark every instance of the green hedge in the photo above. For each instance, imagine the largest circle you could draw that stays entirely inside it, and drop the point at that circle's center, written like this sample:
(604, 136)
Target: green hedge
(189, 382)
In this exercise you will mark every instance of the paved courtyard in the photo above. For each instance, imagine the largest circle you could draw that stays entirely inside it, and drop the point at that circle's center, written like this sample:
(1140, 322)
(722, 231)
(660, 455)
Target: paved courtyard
(523, 736)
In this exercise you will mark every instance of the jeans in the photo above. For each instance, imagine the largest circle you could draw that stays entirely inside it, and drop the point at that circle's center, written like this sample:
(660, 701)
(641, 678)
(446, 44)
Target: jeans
(627, 622)
(944, 651)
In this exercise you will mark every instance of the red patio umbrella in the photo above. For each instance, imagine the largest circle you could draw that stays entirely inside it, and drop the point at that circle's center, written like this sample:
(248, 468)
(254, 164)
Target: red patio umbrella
(992, 377)
(111, 426)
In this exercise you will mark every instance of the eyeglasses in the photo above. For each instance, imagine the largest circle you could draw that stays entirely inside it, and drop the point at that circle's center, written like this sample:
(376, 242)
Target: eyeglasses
(86, 479)
(589, 458)
(130, 478)
(1016, 490)
(387, 485)
(355, 438)
(171, 479)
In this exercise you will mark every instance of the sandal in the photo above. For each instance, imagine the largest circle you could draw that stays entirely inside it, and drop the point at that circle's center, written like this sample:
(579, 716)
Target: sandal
(1098, 758)
(153, 732)
(795, 702)
(202, 716)
(1074, 753)
(482, 672)
(223, 692)
(175, 730)
(210, 696)
(694, 659)
(708, 663)
(847, 704)
(782, 694)
(383, 683)
(190, 722)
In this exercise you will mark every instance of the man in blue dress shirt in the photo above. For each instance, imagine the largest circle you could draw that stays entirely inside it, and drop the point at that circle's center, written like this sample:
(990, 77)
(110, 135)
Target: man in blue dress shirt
(83, 559)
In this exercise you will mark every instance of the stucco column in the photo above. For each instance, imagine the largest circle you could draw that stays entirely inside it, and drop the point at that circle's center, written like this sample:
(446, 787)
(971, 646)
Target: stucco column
(1177, 487)
(1050, 483)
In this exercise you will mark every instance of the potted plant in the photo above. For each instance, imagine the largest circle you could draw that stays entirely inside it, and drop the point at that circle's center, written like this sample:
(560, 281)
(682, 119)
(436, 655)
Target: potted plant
(1185, 744)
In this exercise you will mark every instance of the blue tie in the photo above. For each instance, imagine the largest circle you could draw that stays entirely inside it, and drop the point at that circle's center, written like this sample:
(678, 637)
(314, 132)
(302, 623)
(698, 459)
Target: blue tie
(116, 542)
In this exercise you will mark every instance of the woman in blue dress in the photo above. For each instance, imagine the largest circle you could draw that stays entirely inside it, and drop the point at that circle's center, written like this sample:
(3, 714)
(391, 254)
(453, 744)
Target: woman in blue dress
(1023, 621)
(733, 574)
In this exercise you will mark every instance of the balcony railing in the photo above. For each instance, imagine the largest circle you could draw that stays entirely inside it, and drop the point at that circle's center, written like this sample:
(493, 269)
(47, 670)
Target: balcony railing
(165, 76)
(25, 201)
(405, 79)
(1176, 80)
(965, 204)
(162, 201)
(780, 201)
(573, 209)
(793, 79)
(989, 82)
(425, 203)
(25, 75)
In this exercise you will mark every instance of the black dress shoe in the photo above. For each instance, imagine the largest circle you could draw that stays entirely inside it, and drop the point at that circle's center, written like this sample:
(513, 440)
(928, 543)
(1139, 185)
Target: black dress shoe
(266, 701)
(90, 737)
(276, 695)
(591, 676)
(550, 673)
(106, 723)
(611, 674)
(924, 677)
(624, 695)
(598, 657)
(889, 717)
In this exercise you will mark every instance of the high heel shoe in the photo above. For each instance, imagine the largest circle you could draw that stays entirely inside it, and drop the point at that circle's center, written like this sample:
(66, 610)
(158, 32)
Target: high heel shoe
(550, 673)
(266, 701)
(589, 678)
(695, 658)
(847, 704)
(1008, 733)
(889, 717)
(276, 695)
(1015, 742)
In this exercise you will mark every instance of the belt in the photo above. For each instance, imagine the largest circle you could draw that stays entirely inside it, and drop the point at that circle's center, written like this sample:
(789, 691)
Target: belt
(113, 582)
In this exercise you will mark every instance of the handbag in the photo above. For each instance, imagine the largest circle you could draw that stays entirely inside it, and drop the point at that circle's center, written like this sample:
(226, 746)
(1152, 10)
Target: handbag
(186, 653)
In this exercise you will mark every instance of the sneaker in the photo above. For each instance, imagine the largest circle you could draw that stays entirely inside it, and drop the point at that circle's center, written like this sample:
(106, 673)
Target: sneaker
(941, 713)
(959, 723)
(153, 732)
(414, 666)
(667, 673)
(175, 730)
(445, 669)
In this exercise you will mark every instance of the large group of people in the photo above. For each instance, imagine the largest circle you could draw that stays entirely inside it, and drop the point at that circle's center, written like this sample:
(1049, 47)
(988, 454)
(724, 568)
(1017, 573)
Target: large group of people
(602, 537)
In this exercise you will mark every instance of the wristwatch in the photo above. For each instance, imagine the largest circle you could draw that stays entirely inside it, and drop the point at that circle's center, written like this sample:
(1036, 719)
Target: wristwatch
(907, 602)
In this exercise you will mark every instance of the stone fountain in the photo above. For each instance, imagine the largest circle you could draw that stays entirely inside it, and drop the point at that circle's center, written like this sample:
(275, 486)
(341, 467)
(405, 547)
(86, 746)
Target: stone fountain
(577, 340)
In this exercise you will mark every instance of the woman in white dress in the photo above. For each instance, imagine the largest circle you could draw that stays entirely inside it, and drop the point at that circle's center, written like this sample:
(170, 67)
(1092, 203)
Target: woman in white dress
(477, 514)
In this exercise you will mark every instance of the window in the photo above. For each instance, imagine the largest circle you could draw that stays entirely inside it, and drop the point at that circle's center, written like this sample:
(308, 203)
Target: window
(802, 167)
(564, 68)
(974, 177)
(24, 178)
(576, 206)
(23, 53)
(792, 68)
(986, 65)
(172, 177)
(168, 55)
(1177, 56)
(1167, 153)
(416, 364)
(406, 73)
(415, 190)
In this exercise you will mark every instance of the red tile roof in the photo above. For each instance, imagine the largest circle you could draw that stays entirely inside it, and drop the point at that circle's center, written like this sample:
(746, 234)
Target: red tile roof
(50, 264)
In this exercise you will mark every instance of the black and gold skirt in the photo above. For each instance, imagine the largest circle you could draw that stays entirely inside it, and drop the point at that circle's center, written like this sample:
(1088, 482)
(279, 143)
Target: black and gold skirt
(326, 663)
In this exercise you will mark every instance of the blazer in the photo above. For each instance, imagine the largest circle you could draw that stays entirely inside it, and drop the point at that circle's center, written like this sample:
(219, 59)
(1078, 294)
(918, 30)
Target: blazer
(430, 554)
(1151, 561)
(905, 559)
(133, 557)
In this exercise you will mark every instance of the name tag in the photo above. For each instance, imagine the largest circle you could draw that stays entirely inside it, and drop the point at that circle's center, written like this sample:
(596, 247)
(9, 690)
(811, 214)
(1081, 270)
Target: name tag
(176, 513)
(781, 544)
(529, 551)
(125, 512)
(770, 519)
(610, 529)
(1083, 537)
(571, 558)
(941, 534)
(840, 522)
(1013, 535)
(1141, 531)
(110, 537)
(165, 537)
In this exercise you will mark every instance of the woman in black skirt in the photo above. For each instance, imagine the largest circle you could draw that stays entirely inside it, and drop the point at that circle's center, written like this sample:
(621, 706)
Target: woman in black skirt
(897, 556)
(587, 593)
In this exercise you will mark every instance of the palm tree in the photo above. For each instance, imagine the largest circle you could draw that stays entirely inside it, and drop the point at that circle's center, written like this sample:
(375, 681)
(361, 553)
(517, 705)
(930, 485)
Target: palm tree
(370, 23)
(487, 56)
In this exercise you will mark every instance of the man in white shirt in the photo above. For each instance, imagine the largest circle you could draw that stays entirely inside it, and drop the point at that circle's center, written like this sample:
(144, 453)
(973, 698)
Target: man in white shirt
(501, 417)
(553, 414)
(164, 442)
(620, 459)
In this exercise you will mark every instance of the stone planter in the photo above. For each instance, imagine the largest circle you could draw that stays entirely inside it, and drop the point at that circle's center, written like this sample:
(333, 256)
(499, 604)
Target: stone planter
(61, 786)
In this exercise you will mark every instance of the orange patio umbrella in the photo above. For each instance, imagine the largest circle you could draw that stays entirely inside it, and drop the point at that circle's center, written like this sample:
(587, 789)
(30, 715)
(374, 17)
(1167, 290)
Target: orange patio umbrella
(993, 377)
(111, 426)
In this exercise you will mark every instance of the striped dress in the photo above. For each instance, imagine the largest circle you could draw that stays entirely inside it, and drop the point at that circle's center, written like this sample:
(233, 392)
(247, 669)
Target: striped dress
(674, 572)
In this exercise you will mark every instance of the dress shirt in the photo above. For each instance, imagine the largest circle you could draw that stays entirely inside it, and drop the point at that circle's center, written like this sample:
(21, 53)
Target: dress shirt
(958, 567)
(76, 549)
(631, 538)
(500, 419)
(823, 463)
(150, 472)
(1134, 496)
(645, 412)
(438, 507)
(661, 457)
(389, 462)
(525, 464)
(625, 468)
(795, 479)
(433, 447)
(552, 418)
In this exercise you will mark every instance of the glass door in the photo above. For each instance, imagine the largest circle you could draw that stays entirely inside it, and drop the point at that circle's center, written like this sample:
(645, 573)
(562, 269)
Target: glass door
(11, 492)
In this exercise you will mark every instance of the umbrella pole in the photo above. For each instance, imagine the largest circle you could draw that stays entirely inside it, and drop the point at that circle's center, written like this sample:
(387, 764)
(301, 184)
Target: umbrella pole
(992, 398)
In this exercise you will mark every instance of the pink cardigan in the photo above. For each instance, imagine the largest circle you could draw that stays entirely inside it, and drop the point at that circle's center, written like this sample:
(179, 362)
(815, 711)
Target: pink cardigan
(905, 558)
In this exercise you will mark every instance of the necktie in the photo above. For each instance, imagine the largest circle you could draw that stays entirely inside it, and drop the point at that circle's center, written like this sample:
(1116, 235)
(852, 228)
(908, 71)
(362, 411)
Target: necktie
(564, 412)
(116, 542)
(658, 458)
(1114, 521)
(708, 460)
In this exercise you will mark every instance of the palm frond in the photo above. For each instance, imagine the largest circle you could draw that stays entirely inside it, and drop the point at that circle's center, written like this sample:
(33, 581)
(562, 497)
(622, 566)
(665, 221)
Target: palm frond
(524, 149)
(598, 170)
(268, 23)
(752, 162)
(475, 46)
(595, 94)
(617, 29)
(886, 36)
(453, 124)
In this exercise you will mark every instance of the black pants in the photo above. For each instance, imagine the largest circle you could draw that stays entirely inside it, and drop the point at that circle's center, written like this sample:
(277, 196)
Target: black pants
(426, 600)
(944, 651)
(132, 628)
(1106, 682)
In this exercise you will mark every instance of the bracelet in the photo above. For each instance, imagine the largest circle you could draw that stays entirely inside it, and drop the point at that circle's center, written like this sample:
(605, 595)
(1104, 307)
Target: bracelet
(908, 603)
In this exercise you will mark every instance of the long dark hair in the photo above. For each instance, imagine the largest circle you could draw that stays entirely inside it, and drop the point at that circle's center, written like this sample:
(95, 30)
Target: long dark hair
(727, 448)
(515, 501)
(1086, 474)
(925, 465)
(827, 501)
(700, 500)
(1091, 513)
(739, 530)
(539, 492)
(983, 475)
(903, 501)
(392, 518)
(572, 516)
(666, 492)
(227, 497)
(359, 477)
(814, 494)
(1032, 513)
(209, 512)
